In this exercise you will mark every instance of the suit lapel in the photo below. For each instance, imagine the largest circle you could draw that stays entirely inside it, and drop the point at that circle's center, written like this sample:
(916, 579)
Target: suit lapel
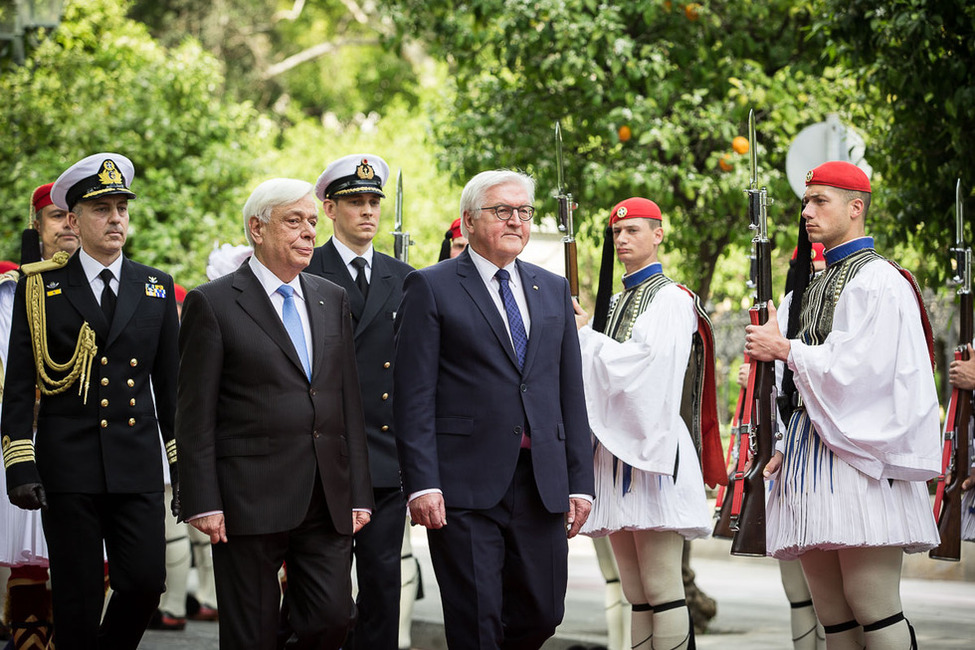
(82, 299)
(131, 288)
(316, 317)
(470, 279)
(256, 303)
(529, 285)
(334, 269)
(380, 286)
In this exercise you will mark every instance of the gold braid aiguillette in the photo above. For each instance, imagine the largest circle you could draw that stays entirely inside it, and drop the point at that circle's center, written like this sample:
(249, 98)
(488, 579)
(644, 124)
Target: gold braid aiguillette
(78, 366)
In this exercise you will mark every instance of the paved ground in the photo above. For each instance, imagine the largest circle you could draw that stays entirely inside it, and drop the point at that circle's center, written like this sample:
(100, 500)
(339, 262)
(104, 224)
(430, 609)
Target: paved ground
(752, 610)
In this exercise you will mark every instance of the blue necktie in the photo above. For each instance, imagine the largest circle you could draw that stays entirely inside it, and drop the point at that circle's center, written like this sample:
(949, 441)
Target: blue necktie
(292, 323)
(517, 326)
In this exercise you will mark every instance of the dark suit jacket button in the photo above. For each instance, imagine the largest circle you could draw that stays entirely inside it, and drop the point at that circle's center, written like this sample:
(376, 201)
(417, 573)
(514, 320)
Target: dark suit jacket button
(317, 434)
(517, 431)
(524, 388)
(312, 392)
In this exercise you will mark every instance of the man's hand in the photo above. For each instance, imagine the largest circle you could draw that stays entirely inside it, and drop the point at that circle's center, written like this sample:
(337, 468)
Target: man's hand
(429, 511)
(174, 506)
(969, 482)
(582, 318)
(961, 374)
(212, 525)
(765, 342)
(359, 519)
(743, 371)
(773, 465)
(576, 516)
(29, 496)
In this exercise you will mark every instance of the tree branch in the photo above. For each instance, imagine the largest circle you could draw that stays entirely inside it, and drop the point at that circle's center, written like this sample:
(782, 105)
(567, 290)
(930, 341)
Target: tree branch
(312, 53)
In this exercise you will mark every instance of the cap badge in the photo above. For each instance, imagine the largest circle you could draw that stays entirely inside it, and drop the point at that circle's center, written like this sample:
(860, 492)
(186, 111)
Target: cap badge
(621, 212)
(809, 176)
(365, 170)
(109, 174)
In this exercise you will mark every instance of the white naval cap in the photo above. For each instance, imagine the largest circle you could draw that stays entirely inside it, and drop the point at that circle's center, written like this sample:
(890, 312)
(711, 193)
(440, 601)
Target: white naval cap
(358, 173)
(100, 174)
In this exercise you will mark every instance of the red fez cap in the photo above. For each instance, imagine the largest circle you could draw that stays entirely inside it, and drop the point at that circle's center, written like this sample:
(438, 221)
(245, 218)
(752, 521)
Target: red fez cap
(42, 197)
(841, 174)
(818, 252)
(455, 229)
(635, 208)
(179, 292)
(7, 266)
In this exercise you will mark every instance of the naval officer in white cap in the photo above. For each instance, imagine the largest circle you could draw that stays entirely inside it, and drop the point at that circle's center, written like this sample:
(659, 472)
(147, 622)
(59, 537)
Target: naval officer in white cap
(90, 332)
(351, 190)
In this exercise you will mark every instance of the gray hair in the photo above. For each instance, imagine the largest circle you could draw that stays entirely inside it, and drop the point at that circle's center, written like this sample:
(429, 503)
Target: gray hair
(271, 194)
(477, 187)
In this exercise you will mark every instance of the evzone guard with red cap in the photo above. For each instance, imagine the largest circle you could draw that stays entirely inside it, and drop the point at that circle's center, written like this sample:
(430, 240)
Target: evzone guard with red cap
(849, 497)
(649, 484)
(91, 332)
(454, 242)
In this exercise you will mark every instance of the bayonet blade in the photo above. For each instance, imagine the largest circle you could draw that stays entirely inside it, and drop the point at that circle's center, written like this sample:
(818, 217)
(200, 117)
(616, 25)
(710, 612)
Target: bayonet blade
(752, 149)
(558, 155)
(399, 201)
(959, 216)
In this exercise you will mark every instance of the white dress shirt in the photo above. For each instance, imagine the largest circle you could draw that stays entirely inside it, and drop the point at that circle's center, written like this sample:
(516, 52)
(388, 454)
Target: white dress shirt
(93, 267)
(271, 283)
(347, 255)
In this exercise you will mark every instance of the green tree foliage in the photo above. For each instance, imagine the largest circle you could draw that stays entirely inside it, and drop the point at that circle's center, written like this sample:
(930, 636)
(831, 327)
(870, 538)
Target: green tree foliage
(916, 58)
(293, 58)
(100, 83)
(680, 77)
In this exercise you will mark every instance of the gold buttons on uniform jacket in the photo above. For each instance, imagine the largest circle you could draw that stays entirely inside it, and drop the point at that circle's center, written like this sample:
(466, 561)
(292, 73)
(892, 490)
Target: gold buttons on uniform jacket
(104, 424)
(104, 361)
(386, 365)
(104, 403)
(385, 396)
(104, 381)
(132, 402)
(130, 383)
(133, 362)
(384, 428)
(131, 422)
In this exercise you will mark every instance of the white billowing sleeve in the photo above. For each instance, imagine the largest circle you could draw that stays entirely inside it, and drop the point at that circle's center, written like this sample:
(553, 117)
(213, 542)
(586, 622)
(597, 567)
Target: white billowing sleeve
(869, 388)
(633, 389)
(782, 317)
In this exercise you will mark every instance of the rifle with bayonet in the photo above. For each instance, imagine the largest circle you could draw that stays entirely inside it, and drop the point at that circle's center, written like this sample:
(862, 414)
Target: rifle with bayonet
(956, 458)
(756, 431)
(401, 240)
(565, 221)
(723, 501)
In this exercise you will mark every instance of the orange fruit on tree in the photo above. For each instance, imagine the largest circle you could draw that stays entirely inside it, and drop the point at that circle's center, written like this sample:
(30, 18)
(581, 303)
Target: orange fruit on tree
(725, 163)
(692, 11)
(624, 133)
(740, 144)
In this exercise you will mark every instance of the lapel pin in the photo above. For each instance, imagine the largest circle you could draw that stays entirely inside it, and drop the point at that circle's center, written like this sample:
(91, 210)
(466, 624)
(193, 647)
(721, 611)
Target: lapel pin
(321, 302)
(535, 287)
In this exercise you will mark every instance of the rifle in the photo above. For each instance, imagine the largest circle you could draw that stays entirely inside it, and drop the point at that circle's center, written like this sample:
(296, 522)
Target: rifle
(565, 221)
(401, 240)
(956, 457)
(723, 501)
(757, 428)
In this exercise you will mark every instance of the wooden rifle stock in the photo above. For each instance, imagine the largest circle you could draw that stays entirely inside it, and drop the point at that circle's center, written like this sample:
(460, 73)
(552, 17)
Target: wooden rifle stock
(569, 243)
(957, 453)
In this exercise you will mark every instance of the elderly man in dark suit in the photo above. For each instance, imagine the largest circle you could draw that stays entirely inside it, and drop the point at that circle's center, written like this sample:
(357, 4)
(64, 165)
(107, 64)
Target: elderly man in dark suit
(270, 423)
(96, 334)
(491, 424)
(351, 189)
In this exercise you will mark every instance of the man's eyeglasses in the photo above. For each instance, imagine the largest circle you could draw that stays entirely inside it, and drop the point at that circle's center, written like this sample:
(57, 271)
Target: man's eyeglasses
(505, 212)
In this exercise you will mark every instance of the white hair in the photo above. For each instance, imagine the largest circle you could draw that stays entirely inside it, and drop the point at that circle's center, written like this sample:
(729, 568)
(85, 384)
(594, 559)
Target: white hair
(269, 195)
(477, 187)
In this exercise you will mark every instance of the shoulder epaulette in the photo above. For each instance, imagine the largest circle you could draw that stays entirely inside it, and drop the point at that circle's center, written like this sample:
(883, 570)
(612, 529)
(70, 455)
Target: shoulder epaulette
(60, 259)
(9, 276)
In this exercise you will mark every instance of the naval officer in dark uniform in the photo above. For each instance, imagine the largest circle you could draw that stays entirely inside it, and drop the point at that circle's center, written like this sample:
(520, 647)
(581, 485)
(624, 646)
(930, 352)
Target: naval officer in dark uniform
(91, 332)
(351, 189)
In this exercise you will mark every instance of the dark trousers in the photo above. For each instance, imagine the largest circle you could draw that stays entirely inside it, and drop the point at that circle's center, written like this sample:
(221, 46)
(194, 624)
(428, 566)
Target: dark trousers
(133, 530)
(377, 550)
(502, 571)
(319, 584)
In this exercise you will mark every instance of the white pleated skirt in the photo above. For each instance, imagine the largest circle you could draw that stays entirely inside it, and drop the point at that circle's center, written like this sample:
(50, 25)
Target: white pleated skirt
(818, 501)
(653, 501)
